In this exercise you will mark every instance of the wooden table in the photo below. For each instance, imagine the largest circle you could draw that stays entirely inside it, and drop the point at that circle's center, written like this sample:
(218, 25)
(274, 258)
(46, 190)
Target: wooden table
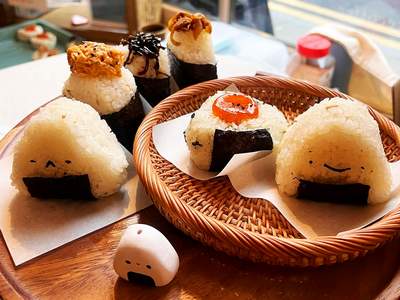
(83, 270)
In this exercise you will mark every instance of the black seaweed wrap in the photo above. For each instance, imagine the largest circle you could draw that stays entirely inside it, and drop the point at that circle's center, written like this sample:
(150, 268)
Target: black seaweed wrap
(125, 122)
(66, 187)
(229, 142)
(153, 89)
(186, 74)
(355, 193)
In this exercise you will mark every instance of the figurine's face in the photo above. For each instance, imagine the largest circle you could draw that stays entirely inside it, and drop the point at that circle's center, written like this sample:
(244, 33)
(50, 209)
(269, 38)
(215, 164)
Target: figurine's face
(145, 255)
(136, 265)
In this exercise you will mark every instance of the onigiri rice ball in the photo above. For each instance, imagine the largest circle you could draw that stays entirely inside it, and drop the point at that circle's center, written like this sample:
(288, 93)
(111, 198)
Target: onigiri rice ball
(65, 142)
(336, 146)
(212, 141)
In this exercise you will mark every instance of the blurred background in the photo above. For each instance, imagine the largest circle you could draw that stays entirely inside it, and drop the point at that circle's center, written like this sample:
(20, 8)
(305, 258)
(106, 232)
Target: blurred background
(261, 35)
(286, 20)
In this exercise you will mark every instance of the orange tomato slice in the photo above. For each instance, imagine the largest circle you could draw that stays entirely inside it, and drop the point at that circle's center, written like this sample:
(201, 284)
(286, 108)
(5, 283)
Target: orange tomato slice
(43, 35)
(30, 27)
(235, 108)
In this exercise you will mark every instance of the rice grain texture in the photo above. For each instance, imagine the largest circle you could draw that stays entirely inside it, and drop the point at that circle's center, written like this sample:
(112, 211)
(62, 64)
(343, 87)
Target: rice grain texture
(68, 138)
(198, 51)
(104, 93)
(335, 142)
(201, 129)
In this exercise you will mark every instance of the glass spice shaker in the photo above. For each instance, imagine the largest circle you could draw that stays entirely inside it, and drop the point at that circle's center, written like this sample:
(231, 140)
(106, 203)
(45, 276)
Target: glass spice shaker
(312, 61)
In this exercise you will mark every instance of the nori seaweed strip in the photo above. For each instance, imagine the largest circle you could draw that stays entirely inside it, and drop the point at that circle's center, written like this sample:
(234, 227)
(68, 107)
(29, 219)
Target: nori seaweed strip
(66, 187)
(186, 74)
(355, 193)
(228, 142)
(153, 89)
(125, 122)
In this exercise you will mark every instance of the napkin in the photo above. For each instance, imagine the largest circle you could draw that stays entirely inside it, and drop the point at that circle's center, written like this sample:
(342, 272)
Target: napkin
(372, 80)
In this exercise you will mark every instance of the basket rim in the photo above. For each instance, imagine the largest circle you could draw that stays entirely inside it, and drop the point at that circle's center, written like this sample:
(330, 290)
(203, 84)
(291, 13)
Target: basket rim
(363, 239)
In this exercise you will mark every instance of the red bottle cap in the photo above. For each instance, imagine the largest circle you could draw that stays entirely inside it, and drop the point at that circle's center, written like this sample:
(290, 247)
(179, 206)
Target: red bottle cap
(313, 46)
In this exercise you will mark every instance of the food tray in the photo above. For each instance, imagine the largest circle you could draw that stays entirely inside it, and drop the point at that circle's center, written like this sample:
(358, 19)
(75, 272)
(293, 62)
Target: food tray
(215, 214)
(14, 52)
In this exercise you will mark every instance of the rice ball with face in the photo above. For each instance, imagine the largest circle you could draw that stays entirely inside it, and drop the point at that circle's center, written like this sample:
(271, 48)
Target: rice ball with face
(333, 152)
(67, 151)
(229, 123)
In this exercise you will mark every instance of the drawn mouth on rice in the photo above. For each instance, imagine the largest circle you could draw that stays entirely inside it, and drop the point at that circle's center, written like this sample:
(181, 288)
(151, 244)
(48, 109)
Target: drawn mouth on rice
(339, 170)
(350, 193)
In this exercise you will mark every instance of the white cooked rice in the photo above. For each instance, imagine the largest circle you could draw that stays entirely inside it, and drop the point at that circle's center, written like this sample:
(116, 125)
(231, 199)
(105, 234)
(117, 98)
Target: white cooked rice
(202, 128)
(105, 94)
(70, 130)
(191, 50)
(339, 133)
(139, 62)
(49, 43)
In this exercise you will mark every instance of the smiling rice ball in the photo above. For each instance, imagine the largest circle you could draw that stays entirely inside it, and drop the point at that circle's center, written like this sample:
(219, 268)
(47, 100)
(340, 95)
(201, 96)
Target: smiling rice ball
(334, 147)
(67, 151)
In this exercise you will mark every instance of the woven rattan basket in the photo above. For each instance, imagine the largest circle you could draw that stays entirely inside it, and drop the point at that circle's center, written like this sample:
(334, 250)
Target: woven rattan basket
(215, 214)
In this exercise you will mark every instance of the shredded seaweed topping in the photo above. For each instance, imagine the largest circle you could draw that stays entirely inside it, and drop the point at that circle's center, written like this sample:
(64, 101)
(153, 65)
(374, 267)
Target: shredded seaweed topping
(143, 44)
(183, 21)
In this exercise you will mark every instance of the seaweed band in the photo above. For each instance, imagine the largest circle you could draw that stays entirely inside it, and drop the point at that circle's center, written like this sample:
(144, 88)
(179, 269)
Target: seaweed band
(244, 141)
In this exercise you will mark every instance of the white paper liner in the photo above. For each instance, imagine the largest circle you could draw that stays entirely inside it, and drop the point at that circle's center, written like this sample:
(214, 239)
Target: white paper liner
(254, 177)
(32, 227)
(170, 143)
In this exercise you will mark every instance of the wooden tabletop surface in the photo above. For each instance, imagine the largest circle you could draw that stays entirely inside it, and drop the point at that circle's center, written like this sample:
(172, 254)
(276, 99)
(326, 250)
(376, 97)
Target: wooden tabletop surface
(83, 270)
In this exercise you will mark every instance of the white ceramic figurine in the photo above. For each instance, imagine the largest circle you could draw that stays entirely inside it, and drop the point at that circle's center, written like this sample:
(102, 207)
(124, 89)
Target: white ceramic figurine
(145, 255)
